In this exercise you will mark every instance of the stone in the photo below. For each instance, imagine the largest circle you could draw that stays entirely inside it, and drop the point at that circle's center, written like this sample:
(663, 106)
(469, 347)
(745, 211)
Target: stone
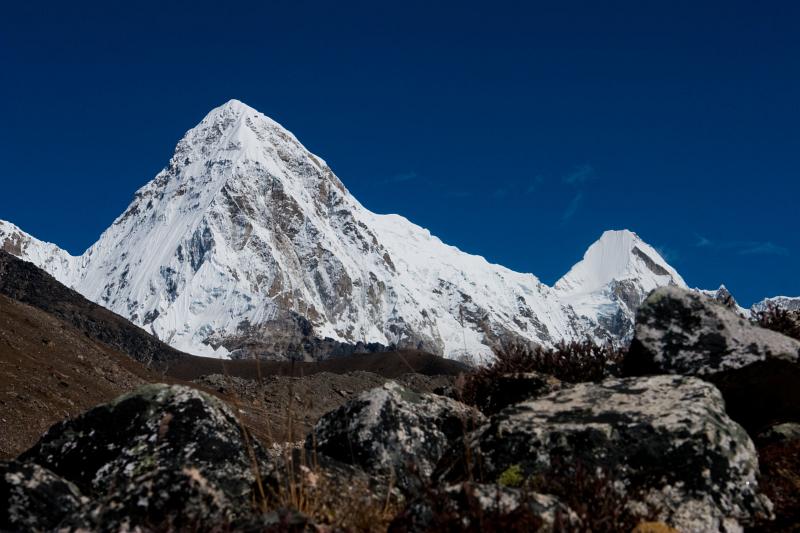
(35, 499)
(393, 431)
(664, 442)
(484, 507)
(788, 431)
(161, 456)
(683, 332)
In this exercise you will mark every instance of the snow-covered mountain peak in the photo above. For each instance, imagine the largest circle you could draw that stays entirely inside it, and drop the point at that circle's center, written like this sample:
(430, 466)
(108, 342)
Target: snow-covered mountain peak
(247, 244)
(615, 275)
(618, 255)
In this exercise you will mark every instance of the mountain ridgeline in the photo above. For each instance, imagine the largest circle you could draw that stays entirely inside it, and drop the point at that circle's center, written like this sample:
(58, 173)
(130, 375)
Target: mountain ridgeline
(246, 244)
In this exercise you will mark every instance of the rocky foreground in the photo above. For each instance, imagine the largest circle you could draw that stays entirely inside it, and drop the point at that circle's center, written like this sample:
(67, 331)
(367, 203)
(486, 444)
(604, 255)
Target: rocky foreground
(696, 429)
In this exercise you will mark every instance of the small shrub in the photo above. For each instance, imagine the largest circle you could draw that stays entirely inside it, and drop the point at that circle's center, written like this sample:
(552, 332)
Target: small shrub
(573, 362)
(780, 480)
(780, 320)
(592, 495)
(511, 477)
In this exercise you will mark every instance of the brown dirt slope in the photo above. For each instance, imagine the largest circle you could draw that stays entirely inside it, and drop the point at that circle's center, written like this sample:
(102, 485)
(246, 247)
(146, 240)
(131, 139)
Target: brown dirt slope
(26, 283)
(50, 370)
(61, 354)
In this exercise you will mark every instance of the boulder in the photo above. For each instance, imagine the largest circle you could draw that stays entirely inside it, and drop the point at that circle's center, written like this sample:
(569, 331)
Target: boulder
(162, 456)
(683, 332)
(393, 431)
(35, 499)
(786, 432)
(664, 443)
(484, 507)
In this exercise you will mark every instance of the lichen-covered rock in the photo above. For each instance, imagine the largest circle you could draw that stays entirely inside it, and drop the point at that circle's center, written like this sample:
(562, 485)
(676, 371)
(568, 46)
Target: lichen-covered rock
(781, 433)
(279, 521)
(162, 456)
(484, 507)
(391, 430)
(34, 498)
(664, 441)
(683, 332)
(498, 392)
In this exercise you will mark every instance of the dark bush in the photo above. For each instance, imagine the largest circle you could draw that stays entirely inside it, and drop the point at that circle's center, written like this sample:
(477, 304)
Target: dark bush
(780, 320)
(592, 495)
(572, 362)
(780, 480)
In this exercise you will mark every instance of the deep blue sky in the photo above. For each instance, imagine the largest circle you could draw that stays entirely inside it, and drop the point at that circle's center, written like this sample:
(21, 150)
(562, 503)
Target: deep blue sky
(516, 130)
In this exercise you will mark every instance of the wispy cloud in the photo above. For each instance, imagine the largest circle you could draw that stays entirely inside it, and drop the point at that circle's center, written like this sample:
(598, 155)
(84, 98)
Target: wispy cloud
(534, 185)
(742, 247)
(764, 248)
(669, 255)
(400, 177)
(572, 207)
(580, 175)
(501, 193)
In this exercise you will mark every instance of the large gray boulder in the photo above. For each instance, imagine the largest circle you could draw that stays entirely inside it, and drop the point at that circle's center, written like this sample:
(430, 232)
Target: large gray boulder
(393, 431)
(684, 332)
(757, 370)
(163, 456)
(34, 498)
(664, 442)
(476, 507)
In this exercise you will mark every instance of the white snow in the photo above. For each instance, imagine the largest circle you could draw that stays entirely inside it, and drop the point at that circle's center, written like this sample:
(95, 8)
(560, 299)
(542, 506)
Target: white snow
(245, 225)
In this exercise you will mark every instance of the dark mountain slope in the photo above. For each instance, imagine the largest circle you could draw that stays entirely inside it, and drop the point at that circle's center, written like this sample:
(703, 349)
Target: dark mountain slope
(26, 283)
(50, 370)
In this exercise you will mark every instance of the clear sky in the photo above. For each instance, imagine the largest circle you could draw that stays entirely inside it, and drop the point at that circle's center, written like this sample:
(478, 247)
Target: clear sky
(515, 130)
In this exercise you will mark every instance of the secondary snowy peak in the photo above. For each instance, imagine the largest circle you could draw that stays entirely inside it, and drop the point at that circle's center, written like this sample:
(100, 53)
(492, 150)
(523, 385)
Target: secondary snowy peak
(615, 275)
(47, 256)
(617, 256)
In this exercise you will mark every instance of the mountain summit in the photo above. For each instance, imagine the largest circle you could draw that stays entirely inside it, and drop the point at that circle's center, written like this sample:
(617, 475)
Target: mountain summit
(248, 244)
(612, 279)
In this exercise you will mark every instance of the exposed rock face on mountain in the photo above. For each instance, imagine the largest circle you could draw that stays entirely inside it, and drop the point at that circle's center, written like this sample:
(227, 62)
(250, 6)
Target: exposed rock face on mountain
(781, 302)
(723, 296)
(667, 439)
(248, 244)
